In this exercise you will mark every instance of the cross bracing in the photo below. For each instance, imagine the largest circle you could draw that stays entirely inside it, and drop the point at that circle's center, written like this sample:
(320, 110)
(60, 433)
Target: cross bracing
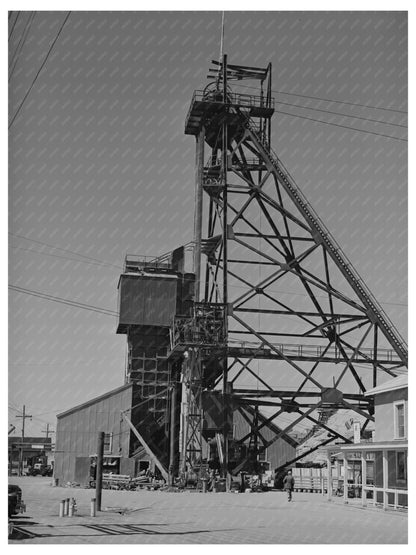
(256, 238)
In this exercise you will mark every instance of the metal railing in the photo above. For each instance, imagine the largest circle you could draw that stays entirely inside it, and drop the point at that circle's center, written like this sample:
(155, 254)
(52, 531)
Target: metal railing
(241, 100)
(321, 351)
(163, 262)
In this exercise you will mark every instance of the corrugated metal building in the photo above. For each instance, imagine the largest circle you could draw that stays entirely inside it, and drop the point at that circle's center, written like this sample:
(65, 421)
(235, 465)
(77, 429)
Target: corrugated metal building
(77, 436)
(241, 419)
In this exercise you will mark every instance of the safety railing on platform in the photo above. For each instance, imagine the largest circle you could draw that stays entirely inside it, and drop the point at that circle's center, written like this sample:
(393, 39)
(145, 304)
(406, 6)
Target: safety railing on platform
(134, 262)
(321, 351)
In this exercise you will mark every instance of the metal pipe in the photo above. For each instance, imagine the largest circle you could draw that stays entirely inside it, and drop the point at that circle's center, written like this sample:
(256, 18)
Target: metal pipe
(200, 140)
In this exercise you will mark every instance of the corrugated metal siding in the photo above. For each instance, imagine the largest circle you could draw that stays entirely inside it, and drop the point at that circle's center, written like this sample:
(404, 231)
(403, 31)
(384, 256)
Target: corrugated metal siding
(146, 300)
(77, 432)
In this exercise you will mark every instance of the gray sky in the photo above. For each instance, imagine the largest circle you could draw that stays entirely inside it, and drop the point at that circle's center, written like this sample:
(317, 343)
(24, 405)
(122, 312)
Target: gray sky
(100, 165)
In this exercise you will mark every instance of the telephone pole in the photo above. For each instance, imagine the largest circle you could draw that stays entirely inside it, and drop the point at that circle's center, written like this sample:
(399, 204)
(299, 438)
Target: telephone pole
(47, 431)
(23, 416)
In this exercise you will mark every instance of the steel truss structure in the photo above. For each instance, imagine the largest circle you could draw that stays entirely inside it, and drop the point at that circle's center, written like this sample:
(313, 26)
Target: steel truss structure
(302, 334)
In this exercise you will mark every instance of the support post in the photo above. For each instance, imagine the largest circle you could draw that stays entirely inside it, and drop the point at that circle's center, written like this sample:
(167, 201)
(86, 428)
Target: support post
(62, 508)
(375, 356)
(225, 266)
(385, 479)
(344, 455)
(93, 507)
(23, 416)
(173, 434)
(329, 474)
(363, 479)
(99, 480)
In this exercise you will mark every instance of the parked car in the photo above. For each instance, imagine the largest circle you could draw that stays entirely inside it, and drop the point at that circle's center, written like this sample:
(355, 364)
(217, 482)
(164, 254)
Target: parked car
(16, 504)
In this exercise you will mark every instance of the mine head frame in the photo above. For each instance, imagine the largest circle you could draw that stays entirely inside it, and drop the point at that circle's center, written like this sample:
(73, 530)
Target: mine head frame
(285, 321)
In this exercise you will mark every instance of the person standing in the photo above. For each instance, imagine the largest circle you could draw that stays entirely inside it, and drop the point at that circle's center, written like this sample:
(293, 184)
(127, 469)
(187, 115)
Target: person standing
(289, 484)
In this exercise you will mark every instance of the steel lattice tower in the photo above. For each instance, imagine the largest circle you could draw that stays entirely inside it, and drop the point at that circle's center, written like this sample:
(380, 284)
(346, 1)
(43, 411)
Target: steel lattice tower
(255, 231)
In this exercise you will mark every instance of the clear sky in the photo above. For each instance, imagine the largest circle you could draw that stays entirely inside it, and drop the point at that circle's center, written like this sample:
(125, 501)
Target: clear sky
(99, 165)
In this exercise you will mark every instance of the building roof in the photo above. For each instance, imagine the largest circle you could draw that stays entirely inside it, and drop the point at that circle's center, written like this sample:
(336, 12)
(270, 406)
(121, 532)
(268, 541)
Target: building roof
(30, 440)
(370, 446)
(342, 422)
(399, 382)
(95, 400)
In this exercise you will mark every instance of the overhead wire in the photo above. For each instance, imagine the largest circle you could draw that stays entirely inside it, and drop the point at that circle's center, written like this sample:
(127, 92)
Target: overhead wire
(14, 25)
(64, 250)
(21, 44)
(61, 300)
(349, 103)
(343, 126)
(341, 114)
(64, 257)
(39, 70)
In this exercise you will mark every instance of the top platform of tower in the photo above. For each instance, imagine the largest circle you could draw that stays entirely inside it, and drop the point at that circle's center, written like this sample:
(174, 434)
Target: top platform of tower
(205, 105)
(208, 103)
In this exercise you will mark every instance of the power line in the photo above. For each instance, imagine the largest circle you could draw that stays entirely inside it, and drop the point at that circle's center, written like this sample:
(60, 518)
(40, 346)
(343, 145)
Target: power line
(343, 126)
(341, 114)
(18, 51)
(332, 100)
(68, 302)
(40, 69)
(14, 25)
(22, 36)
(64, 250)
(63, 257)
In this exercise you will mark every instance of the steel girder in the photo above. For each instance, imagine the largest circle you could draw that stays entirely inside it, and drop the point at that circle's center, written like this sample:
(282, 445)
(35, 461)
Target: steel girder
(298, 315)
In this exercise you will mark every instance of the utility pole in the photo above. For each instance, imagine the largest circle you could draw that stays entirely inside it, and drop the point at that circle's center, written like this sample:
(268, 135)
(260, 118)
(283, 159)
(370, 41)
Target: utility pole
(47, 431)
(99, 477)
(23, 416)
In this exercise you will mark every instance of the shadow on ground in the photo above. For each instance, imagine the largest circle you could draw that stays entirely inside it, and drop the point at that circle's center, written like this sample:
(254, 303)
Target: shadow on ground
(96, 530)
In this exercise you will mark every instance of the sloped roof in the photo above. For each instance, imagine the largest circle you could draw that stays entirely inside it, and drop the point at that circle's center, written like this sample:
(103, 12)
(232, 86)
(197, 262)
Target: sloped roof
(399, 382)
(95, 400)
(341, 422)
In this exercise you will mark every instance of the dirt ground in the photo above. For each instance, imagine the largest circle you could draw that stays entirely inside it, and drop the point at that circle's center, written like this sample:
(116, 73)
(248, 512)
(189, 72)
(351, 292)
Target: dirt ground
(153, 517)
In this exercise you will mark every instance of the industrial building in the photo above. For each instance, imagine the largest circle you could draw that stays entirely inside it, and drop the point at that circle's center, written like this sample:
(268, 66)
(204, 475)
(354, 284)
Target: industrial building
(199, 318)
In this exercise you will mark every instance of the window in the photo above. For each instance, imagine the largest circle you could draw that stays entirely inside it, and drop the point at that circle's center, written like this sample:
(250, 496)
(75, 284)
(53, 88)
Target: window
(399, 420)
(108, 442)
(401, 465)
